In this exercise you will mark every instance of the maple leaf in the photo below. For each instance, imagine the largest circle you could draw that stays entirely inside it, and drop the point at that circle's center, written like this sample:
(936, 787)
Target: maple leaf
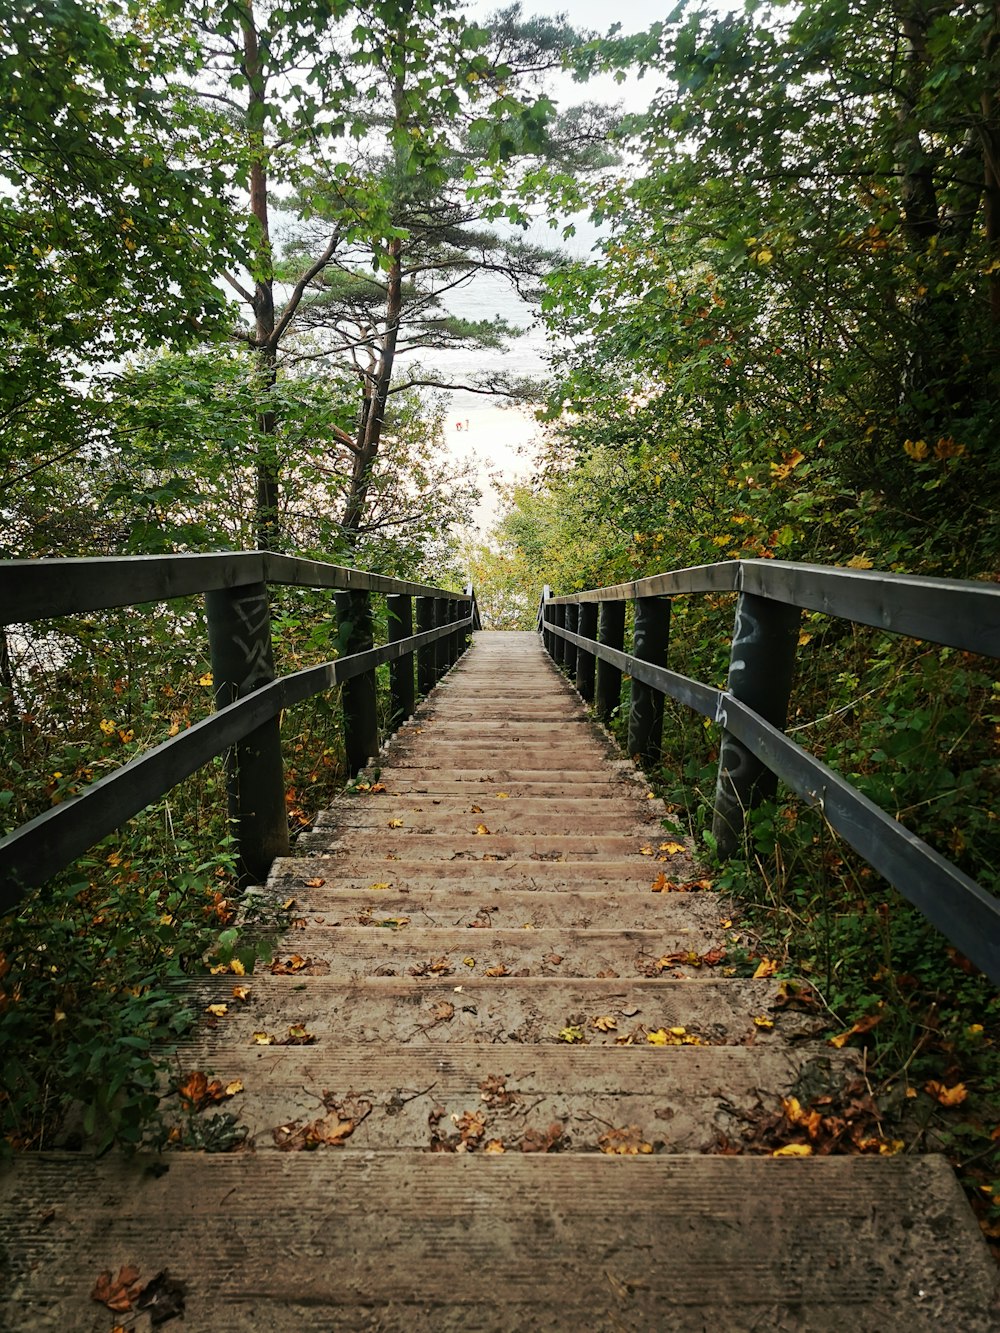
(604, 1023)
(292, 965)
(550, 1140)
(810, 1121)
(298, 1036)
(443, 1011)
(953, 1096)
(237, 968)
(672, 848)
(120, 1293)
(471, 1126)
(572, 1033)
(663, 885)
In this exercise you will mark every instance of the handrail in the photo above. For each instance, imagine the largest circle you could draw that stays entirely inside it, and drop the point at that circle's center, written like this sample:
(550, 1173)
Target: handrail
(249, 699)
(751, 711)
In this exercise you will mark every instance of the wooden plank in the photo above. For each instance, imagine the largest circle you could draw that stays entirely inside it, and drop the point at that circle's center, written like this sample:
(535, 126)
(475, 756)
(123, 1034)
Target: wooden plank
(38, 589)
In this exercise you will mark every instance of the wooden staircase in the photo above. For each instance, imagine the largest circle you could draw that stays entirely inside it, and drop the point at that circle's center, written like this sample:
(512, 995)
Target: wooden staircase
(487, 1085)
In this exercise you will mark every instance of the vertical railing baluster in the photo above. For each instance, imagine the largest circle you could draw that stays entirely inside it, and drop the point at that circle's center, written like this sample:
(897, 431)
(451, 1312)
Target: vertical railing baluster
(611, 632)
(761, 666)
(427, 655)
(572, 622)
(359, 694)
(650, 641)
(441, 646)
(586, 662)
(402, 699)
(559, 644)
(239, 634)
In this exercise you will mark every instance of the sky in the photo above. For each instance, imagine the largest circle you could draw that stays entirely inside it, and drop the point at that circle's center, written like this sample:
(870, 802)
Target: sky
(499, 438)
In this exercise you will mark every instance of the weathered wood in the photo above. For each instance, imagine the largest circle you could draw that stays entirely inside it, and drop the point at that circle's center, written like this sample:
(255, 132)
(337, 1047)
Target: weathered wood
(239, 634)
(649, 643)
(39, 589)
(426, 655)
(570, 650)
(586, 662)
(354, 615)
(559, 646)
(402, 685)
(958, 612)
(611, 633)
(761, 665)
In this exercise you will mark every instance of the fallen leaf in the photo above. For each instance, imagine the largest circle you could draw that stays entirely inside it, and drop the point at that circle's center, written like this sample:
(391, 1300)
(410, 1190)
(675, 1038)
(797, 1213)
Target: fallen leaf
(395, 823)
(119, 1293)
(482, 829)
(298, 1036)
(443, 1011)
(672, 848)
(469, 961)
(288, 904)
(550, 1140)
(375, 887)
(572, 1033)
(626, 1142)
(553, 958)
(241, 992)
(476, 810)
(310, 884)
(294, 964)
(494, 1146)
(263, 1039)
(604, 1023)
(810, 1121)
(953, 1096)
(164, 1297)
(498, 971)
(861, 1026)
(501, 796)
(765, 968)
(765, 1023)
(217, 1010)
(663, 885)
(793, 1150)
(645, 851)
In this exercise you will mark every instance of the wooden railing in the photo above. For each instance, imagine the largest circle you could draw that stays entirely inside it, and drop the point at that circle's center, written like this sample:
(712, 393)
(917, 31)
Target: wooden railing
(248, 696)
(584, 633)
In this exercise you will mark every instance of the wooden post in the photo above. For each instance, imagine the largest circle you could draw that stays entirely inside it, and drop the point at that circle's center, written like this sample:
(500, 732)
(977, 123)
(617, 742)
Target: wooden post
(761, 665)
(239, 635)
(441, 646)
(402, 696)
(611, 631)
(585, 662)
(354, 614)
(558, 644)
(572, 621)
(426, 656)
(649, 642)
(454, 638)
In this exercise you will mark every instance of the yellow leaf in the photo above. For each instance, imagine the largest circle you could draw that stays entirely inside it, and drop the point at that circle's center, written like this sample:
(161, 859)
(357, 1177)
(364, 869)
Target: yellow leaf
(107, 727)
(953, 1096)
(793, 1150)
(765, 1023)
(657, 1038)
(237, 968)
(804, 638)
(501, 796)
(672, 848)
(604, 1023)
(218, 1010)
(469, 962)
(764, 256)
(645, 851)
(572, 1034)
(373, 887)
(494, 1146)
(481, 828)
(233, 1088)
(263, 1039)
(916, 449)
(395, 823)
(206, 679)
(765, 968)
(241, 992)
(859, 562)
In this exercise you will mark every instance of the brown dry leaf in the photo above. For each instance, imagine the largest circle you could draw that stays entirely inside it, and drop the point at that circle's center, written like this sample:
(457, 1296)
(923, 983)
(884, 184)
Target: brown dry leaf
(499, 970)
(765, 968)
(663, 885)
(310, 884)
(120, 1293)
(482, 829)
(376, 788)
(861, 1026)
(471, 1126)
(626, 1142)
(953, 1096)
(476, 810)
(443, 1011)
(554, 959)
(493, 1091)
(695, 886)
(494, 1146)
(297, 1036)
(241, 992)
(810, 1121)
(604, 1023)
(536, 1140)
(291, 965)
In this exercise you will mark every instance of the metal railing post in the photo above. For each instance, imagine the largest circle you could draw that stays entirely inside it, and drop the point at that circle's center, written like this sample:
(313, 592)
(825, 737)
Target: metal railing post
(611, 631)
(426, 656)
(650, 641)
(239, 634)
(402, 696)
(572, 621)
(354, 615)
(586, 662)
(761, 665)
